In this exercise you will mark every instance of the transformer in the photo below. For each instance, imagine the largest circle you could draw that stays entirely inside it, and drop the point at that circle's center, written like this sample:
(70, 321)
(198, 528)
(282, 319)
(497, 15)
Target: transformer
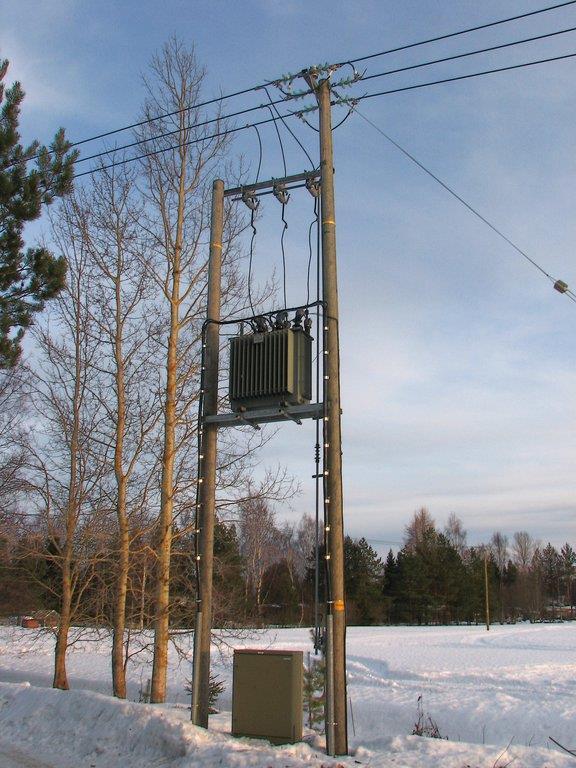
(269, 369)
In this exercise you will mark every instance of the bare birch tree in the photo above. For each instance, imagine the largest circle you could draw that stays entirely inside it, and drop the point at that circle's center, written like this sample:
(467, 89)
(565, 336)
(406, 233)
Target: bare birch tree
(175, 181)
(68, 469)
(105, 224)
(455, 533)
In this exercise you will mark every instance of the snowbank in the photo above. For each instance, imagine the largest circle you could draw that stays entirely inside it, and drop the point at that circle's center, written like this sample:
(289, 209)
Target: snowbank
(77, 729)
(513, 685)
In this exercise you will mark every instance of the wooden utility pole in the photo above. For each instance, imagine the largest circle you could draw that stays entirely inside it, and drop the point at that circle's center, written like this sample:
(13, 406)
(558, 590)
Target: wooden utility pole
(207, 473)
(336, 716)
(486, 590)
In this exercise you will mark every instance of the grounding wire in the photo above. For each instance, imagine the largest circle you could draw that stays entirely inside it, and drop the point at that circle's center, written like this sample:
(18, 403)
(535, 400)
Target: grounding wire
(456, 195)
(317, 453)
(466, 54)
(459, 32)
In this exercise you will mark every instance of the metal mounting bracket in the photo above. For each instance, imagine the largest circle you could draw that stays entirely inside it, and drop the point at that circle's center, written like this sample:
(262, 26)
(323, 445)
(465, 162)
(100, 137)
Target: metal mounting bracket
(254, 417)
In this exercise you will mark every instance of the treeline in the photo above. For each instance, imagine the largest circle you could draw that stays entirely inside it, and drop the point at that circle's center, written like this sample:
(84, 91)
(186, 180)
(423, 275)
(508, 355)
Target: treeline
(437, 578)
(262, 574)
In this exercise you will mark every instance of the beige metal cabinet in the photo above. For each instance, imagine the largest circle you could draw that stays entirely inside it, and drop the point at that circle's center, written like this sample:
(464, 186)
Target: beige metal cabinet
(267, 695)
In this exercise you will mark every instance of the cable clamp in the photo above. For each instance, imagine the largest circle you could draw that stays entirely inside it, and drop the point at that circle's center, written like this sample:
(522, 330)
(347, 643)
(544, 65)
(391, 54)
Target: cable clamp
(313, 186)
(250, 199)
(280, 193)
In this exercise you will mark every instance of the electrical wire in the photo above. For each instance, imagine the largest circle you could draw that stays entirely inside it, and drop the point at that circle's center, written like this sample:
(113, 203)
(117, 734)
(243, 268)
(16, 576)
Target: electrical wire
(458, 33)
(251, 256)
(284, 228)
(156, 137)
(467, 54)
(261, 86)
(226, 132)
(459, 77)
(348, 102)
(163, 116)
(458, 197)
(259, 152)
(252, 216)
(284, 222)
(310, 228)
(273, 103)
(296, 139)
(274, 118)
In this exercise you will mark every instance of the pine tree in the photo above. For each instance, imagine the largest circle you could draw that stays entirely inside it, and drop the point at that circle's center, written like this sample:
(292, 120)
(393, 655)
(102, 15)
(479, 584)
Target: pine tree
(313, 693)
(28, 277)
(363, 574)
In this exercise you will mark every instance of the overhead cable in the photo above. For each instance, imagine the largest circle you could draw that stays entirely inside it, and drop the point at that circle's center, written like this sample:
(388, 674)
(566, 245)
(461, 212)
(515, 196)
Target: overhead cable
(260, 86)
(459, 32)
(202, 123)
(468, 53)
(345, 101)
(458, 77)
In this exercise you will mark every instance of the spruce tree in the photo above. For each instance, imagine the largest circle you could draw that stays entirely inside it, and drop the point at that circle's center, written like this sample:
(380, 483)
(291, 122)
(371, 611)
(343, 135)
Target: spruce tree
(28, 276)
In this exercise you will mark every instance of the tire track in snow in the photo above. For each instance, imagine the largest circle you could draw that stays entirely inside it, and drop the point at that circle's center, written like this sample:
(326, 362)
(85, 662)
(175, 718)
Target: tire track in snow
(11, 757)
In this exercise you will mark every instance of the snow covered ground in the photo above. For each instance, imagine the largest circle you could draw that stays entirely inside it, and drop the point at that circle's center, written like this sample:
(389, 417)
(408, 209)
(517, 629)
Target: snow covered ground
(496, 695)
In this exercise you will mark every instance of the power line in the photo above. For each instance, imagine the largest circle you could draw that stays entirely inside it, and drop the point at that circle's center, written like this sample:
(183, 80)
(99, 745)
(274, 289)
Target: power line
(177, 130)
(456, 34)
(460, 77)
(290, 131)
(253, 88)
(164, 115)
(273, 103)
(348, 101)
(460, 199)
(177, 146)
(469, 53)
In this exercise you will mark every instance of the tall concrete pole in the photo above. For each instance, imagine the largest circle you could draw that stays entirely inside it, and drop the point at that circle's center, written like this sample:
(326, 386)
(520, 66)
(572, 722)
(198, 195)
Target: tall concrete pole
(336, 730)
(207, 464)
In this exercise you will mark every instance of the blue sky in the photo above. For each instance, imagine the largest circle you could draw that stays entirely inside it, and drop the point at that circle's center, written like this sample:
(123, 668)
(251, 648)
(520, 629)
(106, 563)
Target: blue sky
(458, 367)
